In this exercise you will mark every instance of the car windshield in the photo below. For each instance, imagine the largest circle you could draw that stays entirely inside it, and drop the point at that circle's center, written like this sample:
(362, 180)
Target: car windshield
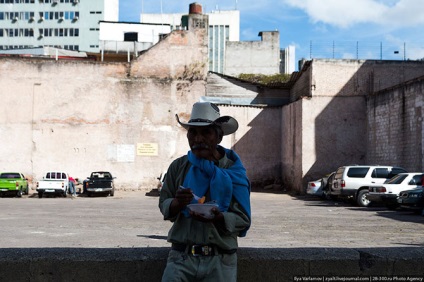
(398, 179)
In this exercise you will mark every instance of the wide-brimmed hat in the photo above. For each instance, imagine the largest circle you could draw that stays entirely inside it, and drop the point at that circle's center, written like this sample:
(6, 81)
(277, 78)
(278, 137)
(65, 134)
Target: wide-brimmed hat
(206, 113)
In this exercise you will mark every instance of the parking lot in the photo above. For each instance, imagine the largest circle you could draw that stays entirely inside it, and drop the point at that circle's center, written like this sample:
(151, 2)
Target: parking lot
(132, 219)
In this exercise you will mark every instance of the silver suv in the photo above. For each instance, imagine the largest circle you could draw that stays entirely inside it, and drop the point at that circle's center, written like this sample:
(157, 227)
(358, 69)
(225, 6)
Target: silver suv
(354, 181)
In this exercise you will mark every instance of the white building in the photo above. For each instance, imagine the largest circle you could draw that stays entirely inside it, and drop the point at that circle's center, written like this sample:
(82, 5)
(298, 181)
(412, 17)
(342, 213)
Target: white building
(68, 24)
(223, 26)
(287, 60)
(131, 37)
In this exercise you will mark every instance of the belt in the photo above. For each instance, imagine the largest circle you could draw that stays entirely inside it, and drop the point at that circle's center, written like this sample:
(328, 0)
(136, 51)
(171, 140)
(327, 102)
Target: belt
(201, 250)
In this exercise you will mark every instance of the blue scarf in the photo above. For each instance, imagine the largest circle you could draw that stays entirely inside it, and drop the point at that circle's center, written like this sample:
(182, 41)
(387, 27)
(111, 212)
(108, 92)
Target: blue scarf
(224, 183)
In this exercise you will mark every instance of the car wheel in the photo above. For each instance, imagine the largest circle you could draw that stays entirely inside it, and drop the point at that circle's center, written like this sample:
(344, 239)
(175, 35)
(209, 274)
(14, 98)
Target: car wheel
(40, 195)
(19, 193)
(65, 192)
(112, 192)
(361, 199)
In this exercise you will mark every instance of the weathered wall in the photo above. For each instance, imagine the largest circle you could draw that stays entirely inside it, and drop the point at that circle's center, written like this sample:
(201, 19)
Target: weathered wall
(182, 55)
(395, 126)
(334, 120)
(258, 141)
(85, 116)
(259, 57)
(291, 143)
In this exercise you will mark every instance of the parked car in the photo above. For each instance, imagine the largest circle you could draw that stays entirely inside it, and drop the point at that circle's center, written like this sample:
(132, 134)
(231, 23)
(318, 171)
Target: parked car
(99, 182)
(13, 183)
(353, 181)
(314, 188)
(412, 200)
(388, 192)
(53, 183)
(320, 187)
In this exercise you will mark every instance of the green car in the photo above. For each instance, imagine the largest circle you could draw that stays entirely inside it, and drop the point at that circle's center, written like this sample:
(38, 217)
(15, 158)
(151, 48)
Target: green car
(13, 183)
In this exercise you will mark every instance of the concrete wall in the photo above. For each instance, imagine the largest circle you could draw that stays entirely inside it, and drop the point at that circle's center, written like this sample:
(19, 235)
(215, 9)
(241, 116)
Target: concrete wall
(85, 116)
(335, 118)
(258, 57)
(291, 145)
(395, 125)
(258, 142)
(139, 264)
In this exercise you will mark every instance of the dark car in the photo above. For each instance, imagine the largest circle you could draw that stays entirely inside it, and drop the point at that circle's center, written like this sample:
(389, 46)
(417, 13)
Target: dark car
(99, 182)
(412, 200)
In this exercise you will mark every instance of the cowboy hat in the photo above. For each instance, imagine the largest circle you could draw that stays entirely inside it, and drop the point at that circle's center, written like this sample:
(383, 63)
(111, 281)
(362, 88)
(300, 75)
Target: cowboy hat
(206, 113)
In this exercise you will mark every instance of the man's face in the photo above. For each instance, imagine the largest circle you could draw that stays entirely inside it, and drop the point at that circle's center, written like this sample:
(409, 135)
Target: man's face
(203, 141)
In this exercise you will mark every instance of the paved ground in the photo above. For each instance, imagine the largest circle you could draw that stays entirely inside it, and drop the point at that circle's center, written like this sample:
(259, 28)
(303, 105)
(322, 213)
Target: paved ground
(131, 219)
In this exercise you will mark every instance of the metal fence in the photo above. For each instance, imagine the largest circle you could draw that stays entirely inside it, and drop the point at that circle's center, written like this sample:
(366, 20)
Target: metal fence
(358, 50)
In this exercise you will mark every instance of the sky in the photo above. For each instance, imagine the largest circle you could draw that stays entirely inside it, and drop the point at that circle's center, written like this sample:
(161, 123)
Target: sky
(341, 29)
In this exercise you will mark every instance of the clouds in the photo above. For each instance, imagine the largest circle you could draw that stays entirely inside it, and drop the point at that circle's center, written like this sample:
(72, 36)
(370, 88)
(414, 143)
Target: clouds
(390, 13)
(300, 22)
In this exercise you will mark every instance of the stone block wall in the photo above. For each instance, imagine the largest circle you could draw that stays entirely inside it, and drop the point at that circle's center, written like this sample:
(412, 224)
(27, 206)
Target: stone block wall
(335, 120)
(395, 126)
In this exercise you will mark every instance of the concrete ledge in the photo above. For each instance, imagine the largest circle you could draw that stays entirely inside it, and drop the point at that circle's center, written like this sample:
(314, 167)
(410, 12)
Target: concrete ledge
(147, 264)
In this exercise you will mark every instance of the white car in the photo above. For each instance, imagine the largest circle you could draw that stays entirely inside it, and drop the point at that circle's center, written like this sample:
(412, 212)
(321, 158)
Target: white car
(353, 181)
(388, 192)
(314, 188)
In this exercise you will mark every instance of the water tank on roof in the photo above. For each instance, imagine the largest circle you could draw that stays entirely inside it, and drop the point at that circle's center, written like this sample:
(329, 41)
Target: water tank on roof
(195, 8)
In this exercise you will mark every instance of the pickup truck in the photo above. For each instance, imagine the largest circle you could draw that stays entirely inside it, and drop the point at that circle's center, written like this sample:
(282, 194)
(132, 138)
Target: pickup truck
(13, 183)
(54, 183)
(101, 182)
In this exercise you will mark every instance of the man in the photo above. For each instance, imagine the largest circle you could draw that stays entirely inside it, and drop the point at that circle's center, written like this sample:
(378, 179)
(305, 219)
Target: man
(205, 248)
(72, 186)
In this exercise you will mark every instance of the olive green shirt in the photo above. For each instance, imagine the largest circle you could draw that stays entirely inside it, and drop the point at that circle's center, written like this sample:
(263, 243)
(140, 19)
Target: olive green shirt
(186, 230)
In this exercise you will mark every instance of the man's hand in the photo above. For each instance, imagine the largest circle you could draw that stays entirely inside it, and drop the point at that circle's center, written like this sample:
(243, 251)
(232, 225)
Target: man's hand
(182, 198)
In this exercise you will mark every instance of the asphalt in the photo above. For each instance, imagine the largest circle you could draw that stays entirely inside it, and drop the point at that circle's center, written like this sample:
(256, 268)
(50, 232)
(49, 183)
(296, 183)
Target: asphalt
(131, 219)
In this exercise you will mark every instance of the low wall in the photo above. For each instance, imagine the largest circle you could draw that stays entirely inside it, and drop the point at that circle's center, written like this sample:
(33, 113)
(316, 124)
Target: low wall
(147, 264)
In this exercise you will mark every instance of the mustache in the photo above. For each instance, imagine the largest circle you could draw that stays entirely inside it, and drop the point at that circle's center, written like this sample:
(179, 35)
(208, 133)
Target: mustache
(200, 146)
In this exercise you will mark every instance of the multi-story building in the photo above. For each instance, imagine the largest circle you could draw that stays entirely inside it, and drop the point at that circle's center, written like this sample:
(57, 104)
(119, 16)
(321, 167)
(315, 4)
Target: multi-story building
(226, 54)
(287, 60)
(119, 37)
(223, 26)
(68, 24)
